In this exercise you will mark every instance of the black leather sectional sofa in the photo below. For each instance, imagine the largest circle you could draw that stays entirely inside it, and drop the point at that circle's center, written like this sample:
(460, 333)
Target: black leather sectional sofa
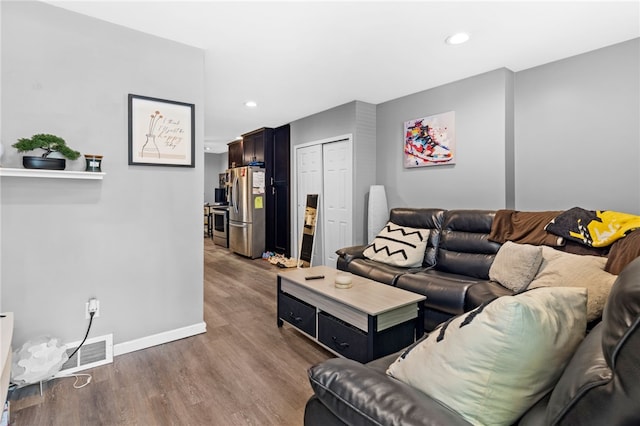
(600, 385)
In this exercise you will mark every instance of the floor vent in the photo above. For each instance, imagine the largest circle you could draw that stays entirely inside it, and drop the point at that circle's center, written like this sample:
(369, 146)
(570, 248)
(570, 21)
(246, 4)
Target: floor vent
(94, 352)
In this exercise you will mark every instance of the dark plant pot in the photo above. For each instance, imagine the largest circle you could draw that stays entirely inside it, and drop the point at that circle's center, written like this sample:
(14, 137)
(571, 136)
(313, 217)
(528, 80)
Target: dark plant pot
(44, 163)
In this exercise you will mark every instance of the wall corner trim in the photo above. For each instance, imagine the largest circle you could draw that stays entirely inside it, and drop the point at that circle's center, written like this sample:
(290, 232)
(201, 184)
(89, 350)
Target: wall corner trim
(160, 338)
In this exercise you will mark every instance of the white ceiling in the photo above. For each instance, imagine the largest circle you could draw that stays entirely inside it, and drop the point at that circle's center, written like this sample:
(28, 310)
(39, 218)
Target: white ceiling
(297, 58)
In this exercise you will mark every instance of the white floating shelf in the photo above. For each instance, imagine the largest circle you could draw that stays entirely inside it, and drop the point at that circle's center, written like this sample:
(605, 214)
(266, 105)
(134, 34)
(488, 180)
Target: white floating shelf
(52, 174)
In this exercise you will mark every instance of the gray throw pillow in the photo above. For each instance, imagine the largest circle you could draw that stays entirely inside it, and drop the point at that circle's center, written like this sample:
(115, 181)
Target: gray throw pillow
(515, 265)
(559, 269)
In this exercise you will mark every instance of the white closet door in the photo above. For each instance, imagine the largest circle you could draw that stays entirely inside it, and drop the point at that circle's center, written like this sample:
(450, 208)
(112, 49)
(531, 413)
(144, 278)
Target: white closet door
(337, 200)
(309, 181)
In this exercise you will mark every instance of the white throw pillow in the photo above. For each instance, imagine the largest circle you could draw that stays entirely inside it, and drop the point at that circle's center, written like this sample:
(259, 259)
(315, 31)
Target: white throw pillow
(560, 269)
(508, 356)
(515, 265)
(398, 246)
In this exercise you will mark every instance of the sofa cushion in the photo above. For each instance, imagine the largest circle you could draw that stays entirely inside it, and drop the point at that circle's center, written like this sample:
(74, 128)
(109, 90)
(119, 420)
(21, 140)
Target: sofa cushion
(515, 265)
(492, 364)
(600, 385)
(398, 246)
(587, 368)
(444, 291)
(381, 272)
(464, 246)
(359, 395)
(560, 269)
(484, 292)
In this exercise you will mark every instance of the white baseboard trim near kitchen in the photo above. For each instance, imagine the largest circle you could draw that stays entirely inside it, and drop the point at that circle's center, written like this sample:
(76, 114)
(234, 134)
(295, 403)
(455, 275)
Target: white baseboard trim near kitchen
(159, 339)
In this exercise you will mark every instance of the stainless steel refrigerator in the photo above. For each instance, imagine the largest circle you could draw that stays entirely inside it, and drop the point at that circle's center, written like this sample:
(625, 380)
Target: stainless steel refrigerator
(246, 199)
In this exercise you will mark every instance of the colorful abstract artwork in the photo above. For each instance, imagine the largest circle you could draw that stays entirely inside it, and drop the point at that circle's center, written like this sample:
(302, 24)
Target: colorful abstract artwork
(430, 141)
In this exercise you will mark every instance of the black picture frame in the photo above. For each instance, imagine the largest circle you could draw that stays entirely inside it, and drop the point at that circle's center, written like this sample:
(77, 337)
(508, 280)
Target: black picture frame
(161, 132)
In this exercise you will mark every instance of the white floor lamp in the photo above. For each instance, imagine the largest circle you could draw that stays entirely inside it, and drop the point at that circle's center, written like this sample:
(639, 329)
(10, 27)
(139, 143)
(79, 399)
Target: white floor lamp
(378, 211)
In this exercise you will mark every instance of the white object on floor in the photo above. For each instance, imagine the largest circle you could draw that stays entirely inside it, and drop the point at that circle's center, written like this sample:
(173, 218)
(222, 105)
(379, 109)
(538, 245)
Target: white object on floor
(38, 359)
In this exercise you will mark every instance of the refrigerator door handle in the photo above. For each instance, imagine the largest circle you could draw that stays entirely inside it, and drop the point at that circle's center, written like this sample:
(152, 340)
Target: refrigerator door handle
(235, 194)
(238, 225)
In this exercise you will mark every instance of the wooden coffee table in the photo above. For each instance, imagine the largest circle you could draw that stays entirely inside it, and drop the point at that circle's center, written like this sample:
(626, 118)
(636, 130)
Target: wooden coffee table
(364, 322)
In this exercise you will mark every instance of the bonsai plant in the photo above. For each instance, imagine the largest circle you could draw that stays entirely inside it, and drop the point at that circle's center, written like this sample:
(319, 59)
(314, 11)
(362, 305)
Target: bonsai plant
(48, 143)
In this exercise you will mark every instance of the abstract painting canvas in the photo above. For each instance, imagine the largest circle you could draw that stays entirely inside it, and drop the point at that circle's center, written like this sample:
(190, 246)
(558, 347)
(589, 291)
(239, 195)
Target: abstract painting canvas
(430, 141)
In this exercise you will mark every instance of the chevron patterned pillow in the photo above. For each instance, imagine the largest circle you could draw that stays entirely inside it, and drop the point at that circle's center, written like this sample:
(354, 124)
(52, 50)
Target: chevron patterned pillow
(398, 246)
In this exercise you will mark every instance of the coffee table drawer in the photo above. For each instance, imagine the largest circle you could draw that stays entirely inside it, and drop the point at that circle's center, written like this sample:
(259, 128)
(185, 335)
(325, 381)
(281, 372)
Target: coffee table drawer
(342, 338)
(297, 313)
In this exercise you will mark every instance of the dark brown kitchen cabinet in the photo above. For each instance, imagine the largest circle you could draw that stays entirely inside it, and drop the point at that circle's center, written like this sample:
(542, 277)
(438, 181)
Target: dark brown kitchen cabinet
(253, 145)
(278, 214)
(235, 154)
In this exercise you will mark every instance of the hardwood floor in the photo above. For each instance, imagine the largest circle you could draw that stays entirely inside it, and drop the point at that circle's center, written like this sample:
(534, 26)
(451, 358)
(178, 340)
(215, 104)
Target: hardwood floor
(242, 371)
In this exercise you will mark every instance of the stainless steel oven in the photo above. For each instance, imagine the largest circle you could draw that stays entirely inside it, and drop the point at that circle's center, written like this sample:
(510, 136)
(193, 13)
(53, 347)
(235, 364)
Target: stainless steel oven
(220, 225)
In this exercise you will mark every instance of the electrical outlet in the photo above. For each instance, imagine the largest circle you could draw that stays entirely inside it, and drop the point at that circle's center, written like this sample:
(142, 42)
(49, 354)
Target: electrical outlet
(93, 305)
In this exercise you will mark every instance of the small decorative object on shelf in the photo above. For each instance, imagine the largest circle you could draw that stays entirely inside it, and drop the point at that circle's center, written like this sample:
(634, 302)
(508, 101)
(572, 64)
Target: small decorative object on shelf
(94, 162)
(48, 143)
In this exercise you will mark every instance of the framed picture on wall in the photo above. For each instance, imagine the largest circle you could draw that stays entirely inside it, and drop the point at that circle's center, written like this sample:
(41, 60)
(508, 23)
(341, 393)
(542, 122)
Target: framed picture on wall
(430, 141)
(161, 132)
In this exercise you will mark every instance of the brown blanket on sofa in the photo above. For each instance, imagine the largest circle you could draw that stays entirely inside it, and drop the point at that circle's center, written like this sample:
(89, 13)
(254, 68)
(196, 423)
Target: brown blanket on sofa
(622, 252)
(524, 228)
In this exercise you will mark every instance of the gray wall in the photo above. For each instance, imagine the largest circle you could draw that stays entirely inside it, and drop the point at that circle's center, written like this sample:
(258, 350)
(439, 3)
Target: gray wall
(358, 119)
(478, 178)
(552, 137)
(214, 164)
(133, 240)
(578, 132)
(364, 164)
(336, 121)
(509, 142)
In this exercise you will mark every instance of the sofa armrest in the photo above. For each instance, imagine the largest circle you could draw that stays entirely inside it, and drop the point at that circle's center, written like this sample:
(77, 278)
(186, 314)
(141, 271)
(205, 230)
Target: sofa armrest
(357, 394)
(350, 253)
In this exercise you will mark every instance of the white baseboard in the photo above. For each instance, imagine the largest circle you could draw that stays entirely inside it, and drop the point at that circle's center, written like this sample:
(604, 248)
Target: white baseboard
(160, 338)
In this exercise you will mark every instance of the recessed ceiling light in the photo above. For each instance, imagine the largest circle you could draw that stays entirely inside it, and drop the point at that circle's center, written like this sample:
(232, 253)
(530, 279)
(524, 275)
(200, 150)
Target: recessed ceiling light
(458, 38)
(251, 104)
